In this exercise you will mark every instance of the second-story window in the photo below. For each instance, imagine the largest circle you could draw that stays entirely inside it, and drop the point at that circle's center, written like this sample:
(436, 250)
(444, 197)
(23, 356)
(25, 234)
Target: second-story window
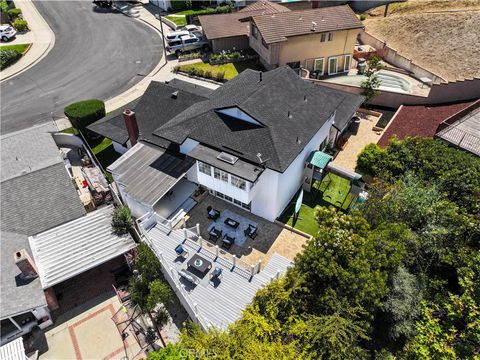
(323, 37)
(264, 43)
(219, 174)
(237, 182)
(330, 36)
(205, 168)
(254, 31)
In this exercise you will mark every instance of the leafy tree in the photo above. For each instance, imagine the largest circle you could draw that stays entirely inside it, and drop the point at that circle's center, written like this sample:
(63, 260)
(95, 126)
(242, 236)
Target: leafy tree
(329, 337)
(402, 304)
(372, 82)
(171, 352)
(122, 220)
(159, 293)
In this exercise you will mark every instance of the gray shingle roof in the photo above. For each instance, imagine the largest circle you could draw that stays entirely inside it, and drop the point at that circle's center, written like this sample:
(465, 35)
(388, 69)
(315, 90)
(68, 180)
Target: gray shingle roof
(291, 110)
(16, 295)
(38, 201)
(148, 172)
(153, 109)
(278, 27)
(28, 150)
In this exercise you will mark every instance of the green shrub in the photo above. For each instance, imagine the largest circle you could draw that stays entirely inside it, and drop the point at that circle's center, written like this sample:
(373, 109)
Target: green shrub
(3, 6)
(20, 25)
(14, 13)
(86, 112)
(363, 17)
(122, 220)
(200, 72)
(220, 76)
(207, 74)
(8, 57)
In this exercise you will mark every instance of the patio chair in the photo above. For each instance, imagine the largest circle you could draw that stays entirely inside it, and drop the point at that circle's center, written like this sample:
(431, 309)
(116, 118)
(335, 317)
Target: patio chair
(181, 251)
(215, 234)
(227, 241)
(213, 213)
(216, 274)
(251, 231)
(185, 275)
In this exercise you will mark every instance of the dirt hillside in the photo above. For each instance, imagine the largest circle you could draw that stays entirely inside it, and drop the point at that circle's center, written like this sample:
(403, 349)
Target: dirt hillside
(443, 36)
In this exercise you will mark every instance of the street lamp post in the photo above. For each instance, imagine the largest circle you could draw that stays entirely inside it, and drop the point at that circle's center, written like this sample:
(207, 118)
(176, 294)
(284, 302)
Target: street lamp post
(161, 30)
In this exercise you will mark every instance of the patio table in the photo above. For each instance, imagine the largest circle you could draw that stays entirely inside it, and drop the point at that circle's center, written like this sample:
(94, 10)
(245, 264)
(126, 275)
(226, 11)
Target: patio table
(199, 263)
(232, 223)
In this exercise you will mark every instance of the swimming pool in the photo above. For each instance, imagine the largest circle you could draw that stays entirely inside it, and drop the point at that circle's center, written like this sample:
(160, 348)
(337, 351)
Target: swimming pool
(389, 81)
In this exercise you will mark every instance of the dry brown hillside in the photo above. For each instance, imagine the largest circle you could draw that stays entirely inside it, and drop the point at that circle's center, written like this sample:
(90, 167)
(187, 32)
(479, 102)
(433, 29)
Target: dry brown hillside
(443, 36)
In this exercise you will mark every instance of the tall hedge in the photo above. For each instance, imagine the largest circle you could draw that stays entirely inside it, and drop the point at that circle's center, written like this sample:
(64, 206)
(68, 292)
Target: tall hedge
(8, 57)
(86, 112)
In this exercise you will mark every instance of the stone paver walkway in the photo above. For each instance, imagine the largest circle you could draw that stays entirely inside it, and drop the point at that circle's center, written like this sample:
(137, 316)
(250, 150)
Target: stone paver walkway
(40, 36)
(347, 157)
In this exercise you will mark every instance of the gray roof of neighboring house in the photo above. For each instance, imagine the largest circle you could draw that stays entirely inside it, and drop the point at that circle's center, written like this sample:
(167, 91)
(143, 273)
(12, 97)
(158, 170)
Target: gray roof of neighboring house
(16, 295)
(289, 109)
(148, 172)
(28, 150)
(77, 246)
(153, 109)
(278, 27)
(38, 201)
(36, 191)
(227, 25)
(463, 129)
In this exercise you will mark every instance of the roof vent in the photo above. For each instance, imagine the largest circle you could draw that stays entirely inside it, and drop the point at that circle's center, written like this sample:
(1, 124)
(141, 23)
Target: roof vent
(298, 141)
(175, 94)
(314, 26)
(261, 76)
(305, 98)
(289, 114)
(300, 18)
(227, 158)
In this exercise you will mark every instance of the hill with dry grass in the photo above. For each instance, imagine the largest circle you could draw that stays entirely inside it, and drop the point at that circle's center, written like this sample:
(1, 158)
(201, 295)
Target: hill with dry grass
(442, 36)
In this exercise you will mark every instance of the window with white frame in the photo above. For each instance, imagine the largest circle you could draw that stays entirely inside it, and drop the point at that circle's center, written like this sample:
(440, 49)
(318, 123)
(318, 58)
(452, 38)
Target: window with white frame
(219, 174)
(323, 37)
(346, 62)
(318, 65)
(332, 65)
(330, 36)
(237, 182)
(205, 168)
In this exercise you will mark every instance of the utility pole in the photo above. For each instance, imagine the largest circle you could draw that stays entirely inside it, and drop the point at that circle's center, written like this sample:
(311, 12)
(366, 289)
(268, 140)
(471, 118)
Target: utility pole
(386, 10)
(161, 31)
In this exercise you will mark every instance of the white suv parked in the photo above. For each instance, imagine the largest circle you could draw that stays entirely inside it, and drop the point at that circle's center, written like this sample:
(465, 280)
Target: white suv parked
(7, 32)
(175, 35)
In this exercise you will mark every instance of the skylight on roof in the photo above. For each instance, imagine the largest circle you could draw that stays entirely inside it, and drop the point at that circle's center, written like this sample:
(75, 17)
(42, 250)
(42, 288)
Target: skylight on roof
(239, 114)
(227, 158)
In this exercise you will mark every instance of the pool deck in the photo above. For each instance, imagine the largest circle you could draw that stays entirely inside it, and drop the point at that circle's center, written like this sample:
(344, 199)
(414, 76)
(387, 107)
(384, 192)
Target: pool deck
(417, 87)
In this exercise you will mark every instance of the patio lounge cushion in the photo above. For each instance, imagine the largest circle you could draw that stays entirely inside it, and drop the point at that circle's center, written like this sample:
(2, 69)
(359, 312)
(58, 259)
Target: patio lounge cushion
(179, 249)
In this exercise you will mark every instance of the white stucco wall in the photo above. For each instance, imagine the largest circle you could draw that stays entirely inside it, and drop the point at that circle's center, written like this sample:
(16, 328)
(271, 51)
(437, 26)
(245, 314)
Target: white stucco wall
(137, 208)
(274, 190)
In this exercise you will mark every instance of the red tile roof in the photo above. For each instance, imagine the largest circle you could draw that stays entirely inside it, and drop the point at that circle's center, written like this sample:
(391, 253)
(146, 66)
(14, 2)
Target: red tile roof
(419, 120)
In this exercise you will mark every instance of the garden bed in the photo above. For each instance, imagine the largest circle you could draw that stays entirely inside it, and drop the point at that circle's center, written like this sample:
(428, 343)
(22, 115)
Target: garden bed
(221, 72)
(10, 54)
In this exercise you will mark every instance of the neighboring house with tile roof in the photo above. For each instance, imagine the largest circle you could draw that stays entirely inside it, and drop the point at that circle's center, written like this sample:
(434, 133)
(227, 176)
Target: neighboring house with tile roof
(419, 120)
(320, 40)
(231, 31)
(248, 141)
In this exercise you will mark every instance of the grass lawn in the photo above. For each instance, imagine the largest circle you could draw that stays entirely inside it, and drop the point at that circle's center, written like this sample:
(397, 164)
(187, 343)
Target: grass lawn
(177, 20)
(332, 188)
(230, 70)
(21, 48)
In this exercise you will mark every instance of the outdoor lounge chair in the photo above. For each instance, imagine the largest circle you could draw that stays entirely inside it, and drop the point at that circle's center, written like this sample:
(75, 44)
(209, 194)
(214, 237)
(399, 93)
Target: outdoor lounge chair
(213, 213)
(215, 233)
(251, 231)
(216, 274)
(185, 275)
(180, 250)
(227, 241)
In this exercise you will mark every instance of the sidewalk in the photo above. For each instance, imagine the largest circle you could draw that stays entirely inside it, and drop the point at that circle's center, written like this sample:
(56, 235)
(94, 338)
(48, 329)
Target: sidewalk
(162, 72)
(40, 36)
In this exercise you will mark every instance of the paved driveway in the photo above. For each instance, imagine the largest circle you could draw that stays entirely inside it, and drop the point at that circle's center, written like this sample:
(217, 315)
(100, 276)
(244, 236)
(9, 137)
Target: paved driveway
(97, 54)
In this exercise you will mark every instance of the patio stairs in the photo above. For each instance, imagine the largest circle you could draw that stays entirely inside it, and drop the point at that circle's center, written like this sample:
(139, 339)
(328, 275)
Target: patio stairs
(182, 210)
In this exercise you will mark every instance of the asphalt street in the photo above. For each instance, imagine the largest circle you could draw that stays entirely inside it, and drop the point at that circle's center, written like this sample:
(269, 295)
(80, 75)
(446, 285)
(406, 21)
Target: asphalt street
(97, 54)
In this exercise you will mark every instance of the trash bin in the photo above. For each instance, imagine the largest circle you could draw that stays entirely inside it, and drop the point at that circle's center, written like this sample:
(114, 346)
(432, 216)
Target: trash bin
(362, 64)
(354, 125)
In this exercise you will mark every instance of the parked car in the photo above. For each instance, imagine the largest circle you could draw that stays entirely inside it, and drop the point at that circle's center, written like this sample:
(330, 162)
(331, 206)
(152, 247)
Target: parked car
(175, 35)
(190, 28)
(7, 32)
(188, 43)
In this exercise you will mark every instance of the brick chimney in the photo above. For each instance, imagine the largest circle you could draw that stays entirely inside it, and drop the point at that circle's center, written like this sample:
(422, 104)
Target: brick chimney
(25, 264)
(131, 124)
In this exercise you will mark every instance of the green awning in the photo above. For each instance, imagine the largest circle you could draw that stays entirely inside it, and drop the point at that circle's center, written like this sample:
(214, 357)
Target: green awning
(319, 159)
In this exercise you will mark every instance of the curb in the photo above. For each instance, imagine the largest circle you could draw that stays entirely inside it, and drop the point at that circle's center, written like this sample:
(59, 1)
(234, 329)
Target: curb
(41, 56)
